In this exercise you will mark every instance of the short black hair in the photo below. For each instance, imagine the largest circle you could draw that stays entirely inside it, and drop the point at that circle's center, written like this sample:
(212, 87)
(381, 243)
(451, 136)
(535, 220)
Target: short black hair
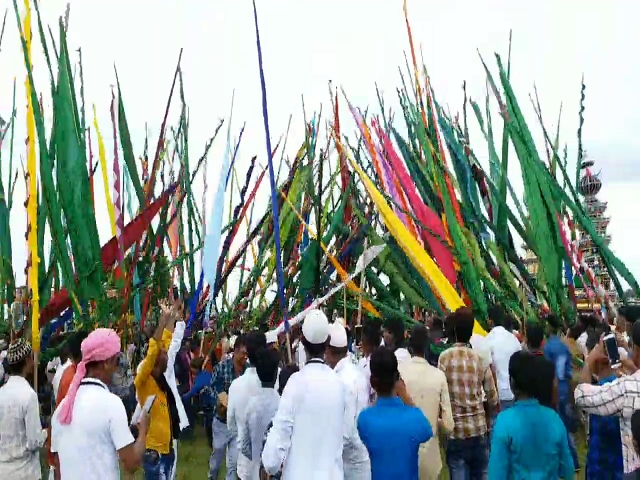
(314, 349)
(635, 426)
(75, 344)
(635, 334)
(371, 334)
(285, 375)
(267, 360)
(255, 341)
(545, 379)
(496, 314)
(534, 333)
(630, 312)
(460, 324)
(395, 326)
(589, 321)
(522, 373)
(384, 370)
(197, 363)
(419, 339)
(553, 322)
(241, 341)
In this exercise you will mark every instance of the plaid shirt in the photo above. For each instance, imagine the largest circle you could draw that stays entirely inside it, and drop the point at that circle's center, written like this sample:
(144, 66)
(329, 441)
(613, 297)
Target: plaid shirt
(604, 457)
(223, 375)
(621, 398)
(468, 380)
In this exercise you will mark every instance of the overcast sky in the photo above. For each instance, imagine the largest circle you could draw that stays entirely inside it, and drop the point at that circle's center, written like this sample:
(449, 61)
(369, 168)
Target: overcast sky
(356, 44)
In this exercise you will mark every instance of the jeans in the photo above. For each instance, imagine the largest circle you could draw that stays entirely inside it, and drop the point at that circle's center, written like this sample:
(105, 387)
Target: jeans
(568, 417)
(223, 442)
(468, 458)
(158, 466)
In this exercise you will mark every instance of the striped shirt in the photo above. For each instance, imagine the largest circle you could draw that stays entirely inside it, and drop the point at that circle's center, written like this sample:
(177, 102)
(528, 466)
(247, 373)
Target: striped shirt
(620, 397)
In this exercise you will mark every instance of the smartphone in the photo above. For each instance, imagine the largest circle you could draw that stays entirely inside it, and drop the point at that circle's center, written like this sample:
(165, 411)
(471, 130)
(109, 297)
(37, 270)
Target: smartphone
(358, 334)
(147, 408)
(611, 349)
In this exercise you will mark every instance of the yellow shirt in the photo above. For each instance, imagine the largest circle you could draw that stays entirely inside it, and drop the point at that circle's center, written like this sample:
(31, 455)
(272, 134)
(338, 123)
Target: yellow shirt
(159, 434)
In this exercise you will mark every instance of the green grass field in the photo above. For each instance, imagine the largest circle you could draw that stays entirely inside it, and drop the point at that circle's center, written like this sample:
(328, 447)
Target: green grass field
(193, 458)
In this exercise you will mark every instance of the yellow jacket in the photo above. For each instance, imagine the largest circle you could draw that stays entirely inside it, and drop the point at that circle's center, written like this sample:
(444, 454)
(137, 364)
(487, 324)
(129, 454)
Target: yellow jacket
(159, 434)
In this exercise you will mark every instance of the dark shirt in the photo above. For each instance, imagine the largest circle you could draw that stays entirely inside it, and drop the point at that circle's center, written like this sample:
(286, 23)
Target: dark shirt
(201, 389)
(392, 433)
(604, 456)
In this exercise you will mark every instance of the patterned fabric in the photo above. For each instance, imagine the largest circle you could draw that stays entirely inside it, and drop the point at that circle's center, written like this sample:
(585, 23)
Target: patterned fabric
(223, 375)
(468, 380)
(621, 398)
(123, 378)
(604, 456)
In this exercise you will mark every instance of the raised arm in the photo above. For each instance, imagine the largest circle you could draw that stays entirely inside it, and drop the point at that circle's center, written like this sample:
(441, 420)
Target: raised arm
(146, 367)
(174, 344)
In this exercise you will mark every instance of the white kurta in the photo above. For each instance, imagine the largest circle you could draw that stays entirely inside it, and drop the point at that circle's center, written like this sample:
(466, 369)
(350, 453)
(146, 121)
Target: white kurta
(308, 431)
(355, 456)
(21, 434)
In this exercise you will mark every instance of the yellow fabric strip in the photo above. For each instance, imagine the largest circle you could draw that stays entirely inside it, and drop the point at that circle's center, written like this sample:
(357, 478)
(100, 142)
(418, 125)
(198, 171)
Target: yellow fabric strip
(412, 248)
(105, 178)
(32, 202)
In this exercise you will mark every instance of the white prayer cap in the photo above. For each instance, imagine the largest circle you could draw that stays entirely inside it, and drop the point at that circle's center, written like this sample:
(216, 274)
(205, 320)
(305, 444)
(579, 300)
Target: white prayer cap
(315, 327)
(338, 335)
(272, 337)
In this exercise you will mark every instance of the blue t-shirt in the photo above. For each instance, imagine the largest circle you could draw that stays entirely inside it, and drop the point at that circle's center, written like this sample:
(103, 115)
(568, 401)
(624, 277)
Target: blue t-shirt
(558, 352)
(529, 442)
(392, 433)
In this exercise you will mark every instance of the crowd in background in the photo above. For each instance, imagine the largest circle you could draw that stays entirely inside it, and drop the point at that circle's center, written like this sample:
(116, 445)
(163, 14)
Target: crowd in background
(370, 401)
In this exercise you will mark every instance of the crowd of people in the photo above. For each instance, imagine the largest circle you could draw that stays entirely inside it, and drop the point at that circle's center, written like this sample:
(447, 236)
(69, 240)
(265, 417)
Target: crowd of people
(367, 402)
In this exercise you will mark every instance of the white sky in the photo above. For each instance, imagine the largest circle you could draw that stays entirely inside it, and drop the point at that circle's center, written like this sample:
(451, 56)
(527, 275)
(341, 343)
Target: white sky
(356, 44)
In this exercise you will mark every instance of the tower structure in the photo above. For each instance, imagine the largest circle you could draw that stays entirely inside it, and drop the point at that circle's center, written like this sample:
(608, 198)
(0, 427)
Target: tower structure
(589, 186)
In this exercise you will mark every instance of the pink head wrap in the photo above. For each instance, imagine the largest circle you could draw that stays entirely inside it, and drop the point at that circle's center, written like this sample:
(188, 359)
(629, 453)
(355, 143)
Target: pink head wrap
(101, 344)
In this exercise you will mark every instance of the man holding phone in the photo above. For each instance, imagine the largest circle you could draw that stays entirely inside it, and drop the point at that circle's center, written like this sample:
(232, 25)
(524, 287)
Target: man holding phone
(90, 436)
(620, 397)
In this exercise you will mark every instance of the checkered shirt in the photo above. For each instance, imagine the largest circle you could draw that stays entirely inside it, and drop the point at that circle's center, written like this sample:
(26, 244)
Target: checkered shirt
(223, 374)
(621, 398)
(469, 381)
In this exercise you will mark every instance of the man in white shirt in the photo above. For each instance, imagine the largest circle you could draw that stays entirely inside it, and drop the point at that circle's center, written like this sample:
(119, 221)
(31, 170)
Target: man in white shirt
(64, 362)
(21, 434)
(393, 335)
(90, 433)
(307, 434)
(500, 344)
(355, 456)
(240, 391)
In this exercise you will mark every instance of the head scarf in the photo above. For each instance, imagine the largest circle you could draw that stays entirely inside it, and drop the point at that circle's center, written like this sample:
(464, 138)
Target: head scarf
(18, 350)
(101, 344)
